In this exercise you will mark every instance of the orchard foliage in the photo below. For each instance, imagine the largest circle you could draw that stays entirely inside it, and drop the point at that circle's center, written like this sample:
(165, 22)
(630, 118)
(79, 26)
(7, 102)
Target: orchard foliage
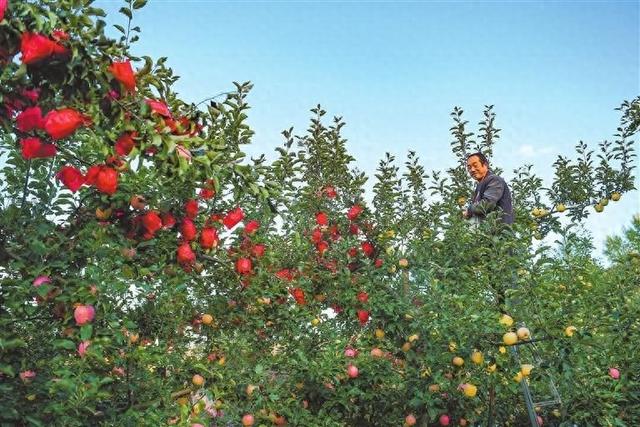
(152, 275)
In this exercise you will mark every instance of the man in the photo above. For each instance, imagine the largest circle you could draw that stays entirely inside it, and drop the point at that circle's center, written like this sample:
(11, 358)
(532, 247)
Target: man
(491, 193)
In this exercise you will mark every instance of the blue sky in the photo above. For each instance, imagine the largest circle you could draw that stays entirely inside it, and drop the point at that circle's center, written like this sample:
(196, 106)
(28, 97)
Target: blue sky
(555, 71)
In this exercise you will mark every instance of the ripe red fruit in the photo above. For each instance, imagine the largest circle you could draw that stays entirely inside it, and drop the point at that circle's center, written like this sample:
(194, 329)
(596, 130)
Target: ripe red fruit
(62, 123)
(354, 212)
(322, 247)
(350, 352)
(316, 235)
(35, 47)
(352, 252)
(168, 220)
(233, 218)
(185, 254)
(298, 295)
(243, 266)
(248, 420)
(158, 107)
(209, 238)
(152, 222)
(29, 119)
(258, 250)
(367, 248)
(123, 72)
(410, 420)
(363, 317)
(34, 148)
(285, 274)
(352, 371)
(207, 193)
(84, 314)
(252, 226)
(444, 420)
(188, 230)
(191, 208)
(104, 178)
(321, 218)
(330, 192)
(378, 263)
(614, 373)
(71, 177)
(363, 296)
(125, 143)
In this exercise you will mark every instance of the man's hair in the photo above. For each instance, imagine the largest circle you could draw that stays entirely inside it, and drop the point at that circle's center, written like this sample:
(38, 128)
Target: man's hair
(482, 157)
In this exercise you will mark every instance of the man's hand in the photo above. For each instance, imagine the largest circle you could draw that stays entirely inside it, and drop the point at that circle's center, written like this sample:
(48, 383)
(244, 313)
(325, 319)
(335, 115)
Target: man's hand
(466, 214)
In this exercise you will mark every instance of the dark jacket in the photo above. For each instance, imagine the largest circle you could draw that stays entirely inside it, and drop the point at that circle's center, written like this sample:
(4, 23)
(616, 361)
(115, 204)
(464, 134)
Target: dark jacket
(490, 193)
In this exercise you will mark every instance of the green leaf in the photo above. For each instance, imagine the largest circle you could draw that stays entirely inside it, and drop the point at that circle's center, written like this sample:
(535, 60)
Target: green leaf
(138, 4)
(126, 12)
(67, 344)
(86, 331)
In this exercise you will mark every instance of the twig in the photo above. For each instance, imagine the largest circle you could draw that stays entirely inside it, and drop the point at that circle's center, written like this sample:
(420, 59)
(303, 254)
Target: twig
(213, 97)
(531, 341)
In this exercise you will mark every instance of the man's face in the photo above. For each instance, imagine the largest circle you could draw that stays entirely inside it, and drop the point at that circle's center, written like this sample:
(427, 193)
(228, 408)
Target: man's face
(476, 169)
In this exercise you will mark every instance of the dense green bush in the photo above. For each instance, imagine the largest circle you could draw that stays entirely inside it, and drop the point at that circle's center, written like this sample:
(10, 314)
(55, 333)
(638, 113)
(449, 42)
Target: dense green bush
(151, 275)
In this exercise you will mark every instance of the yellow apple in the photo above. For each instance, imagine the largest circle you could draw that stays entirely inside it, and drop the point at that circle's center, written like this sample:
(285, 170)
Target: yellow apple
(506, 320)
(477, 357)
(615, 196)
(570, 330)
(457, 361)
(523, 333)
(510, 338)
(560, 207)
(526, 369)
(470, 390)
(207, 319)
(250, 389)
(379, 333)
(197, 380)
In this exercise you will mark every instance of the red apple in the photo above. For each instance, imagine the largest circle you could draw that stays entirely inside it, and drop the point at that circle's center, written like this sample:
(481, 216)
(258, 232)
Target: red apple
(352, 371)
(410, 420)
(248, 420)
(350, 352)
(376, 352)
